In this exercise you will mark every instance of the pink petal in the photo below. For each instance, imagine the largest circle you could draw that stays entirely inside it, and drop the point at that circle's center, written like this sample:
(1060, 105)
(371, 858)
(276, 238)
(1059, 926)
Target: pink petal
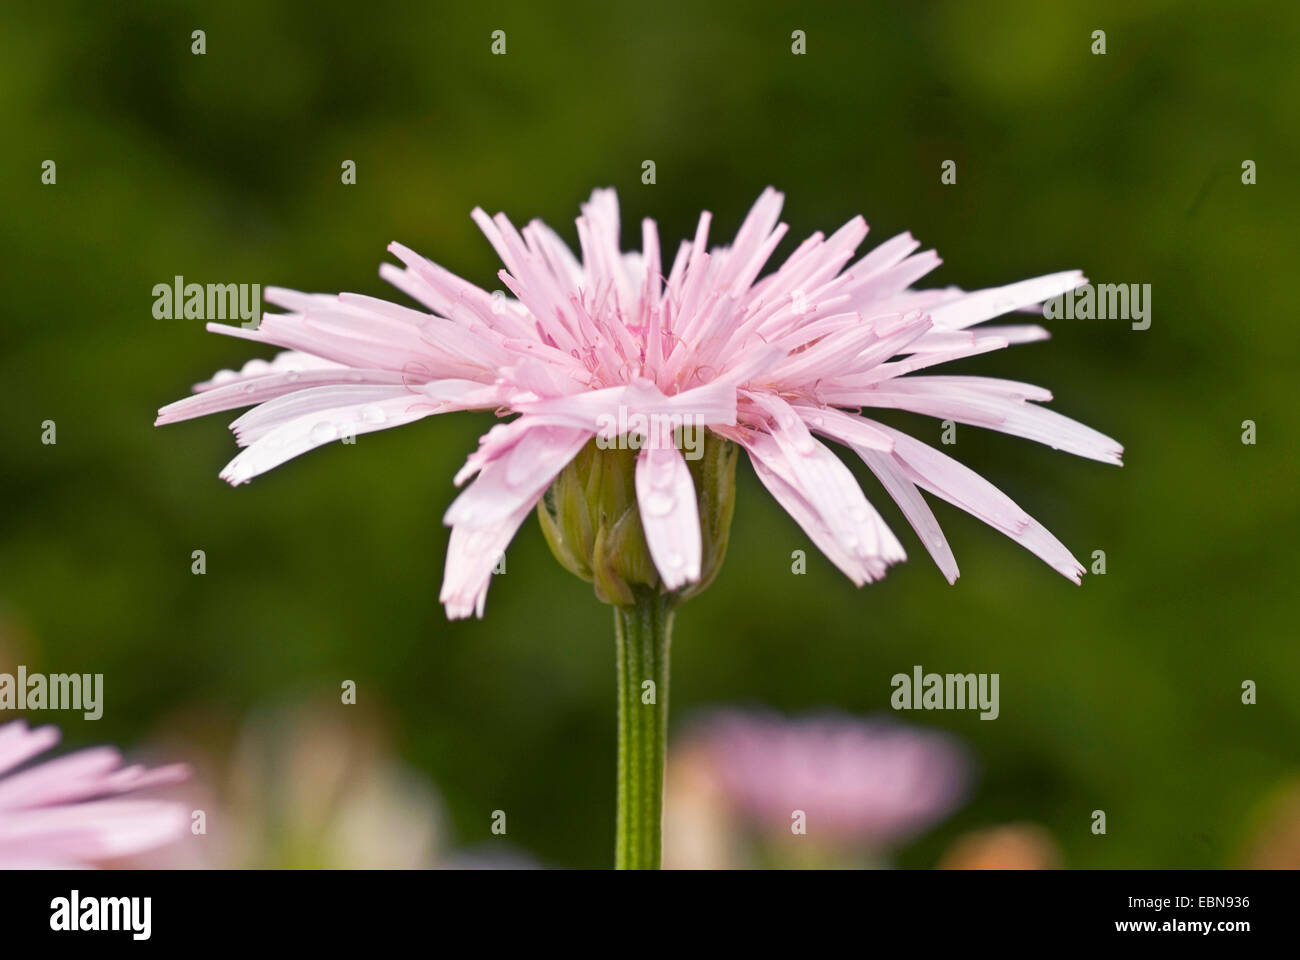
(485, 517)
(284, 441)
(599, 410)
(895, 279)
(805, 513)
(996, 404)
(981, 305)
(852, 430)
(828, 491)
(885, 256)
(961, 486)
(669, 513)
(253, 390)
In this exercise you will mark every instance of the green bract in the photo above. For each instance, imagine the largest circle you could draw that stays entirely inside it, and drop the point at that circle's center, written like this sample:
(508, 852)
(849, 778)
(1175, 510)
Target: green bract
(590, 519)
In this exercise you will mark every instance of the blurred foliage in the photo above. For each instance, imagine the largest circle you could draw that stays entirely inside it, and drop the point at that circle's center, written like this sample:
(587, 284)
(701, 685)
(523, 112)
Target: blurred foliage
(1123, 695)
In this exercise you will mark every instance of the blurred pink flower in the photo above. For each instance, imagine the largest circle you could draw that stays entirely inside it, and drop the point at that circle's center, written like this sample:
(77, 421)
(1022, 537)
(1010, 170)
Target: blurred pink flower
(872, 784)
(55, 815)
(608, 340)
(300, 785)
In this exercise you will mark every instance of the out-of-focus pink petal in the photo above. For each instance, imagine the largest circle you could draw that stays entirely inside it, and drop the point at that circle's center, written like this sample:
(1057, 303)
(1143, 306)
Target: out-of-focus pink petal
(67, 778)
(55, 814)
(86, 832)
(870, 783)
(19, 744)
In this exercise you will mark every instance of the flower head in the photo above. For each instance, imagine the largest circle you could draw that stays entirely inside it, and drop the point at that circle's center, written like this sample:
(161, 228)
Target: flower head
(871, 783)
(59, 814)
(611, 346)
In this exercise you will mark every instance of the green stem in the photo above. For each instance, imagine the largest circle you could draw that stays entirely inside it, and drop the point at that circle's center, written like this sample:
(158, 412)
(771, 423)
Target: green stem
(643, 632)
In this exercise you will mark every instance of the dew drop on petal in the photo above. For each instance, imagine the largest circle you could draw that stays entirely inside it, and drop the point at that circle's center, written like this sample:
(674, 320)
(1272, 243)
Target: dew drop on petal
(324, 432)
(659, 504)
(661, 476)
(372, 413)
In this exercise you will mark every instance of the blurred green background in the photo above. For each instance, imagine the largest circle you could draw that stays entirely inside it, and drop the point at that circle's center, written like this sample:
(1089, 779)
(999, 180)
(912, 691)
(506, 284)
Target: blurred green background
(1122, 695)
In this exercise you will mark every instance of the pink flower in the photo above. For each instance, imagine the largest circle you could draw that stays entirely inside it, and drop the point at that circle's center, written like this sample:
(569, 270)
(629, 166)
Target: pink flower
(869, 783)
(772, 364)
(56, 815)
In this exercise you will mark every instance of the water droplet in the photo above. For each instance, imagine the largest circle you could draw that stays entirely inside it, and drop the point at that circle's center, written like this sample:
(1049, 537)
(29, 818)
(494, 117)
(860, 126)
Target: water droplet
(659, 504)
(324, 432)
(661, 476)
(372, 413)
(675, 560)
(292, 375)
